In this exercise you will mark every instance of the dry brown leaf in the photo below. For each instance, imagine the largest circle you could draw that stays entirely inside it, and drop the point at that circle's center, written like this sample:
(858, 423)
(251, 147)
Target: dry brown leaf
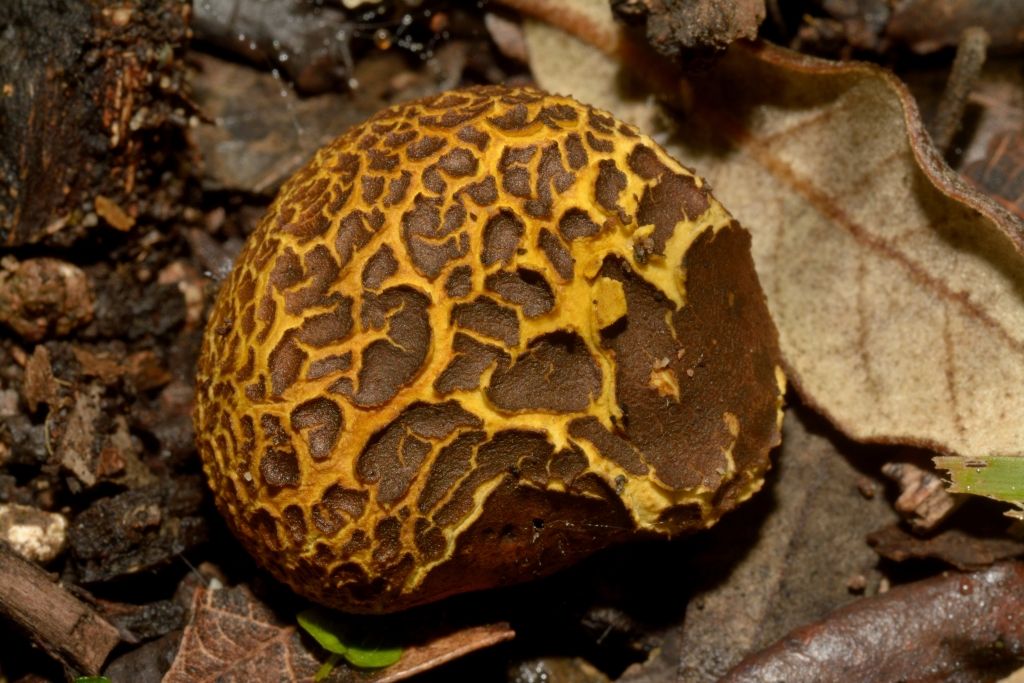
(952, 627)
(234, 636)
(898, 291)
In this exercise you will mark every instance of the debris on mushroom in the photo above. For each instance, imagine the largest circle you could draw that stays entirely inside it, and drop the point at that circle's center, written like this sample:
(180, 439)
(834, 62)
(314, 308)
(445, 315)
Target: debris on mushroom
(476, 339)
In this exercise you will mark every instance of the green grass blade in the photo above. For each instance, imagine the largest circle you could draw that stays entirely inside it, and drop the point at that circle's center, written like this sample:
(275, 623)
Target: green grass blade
(333, 634)
(996, 476)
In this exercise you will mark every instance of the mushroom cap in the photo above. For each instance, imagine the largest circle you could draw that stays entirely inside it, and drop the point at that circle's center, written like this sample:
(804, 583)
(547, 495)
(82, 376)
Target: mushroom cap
(477, 338)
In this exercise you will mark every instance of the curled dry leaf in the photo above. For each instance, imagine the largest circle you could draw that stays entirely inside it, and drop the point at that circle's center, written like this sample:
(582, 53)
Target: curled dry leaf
(962, 627)
(898, 291)
(234, 636)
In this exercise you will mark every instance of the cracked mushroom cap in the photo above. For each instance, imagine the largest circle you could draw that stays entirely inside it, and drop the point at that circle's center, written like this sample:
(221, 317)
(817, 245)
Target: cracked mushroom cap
(475, 339)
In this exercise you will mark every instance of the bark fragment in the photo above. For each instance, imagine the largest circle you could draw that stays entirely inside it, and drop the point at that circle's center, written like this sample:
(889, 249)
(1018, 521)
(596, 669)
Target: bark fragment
(93, 101)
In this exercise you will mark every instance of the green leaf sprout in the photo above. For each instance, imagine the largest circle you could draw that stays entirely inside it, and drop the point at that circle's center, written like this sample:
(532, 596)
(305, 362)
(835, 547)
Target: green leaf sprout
(334, 635)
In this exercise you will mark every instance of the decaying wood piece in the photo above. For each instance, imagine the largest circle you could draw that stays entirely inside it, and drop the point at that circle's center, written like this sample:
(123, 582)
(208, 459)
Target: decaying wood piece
(90, 100)
(59, 622)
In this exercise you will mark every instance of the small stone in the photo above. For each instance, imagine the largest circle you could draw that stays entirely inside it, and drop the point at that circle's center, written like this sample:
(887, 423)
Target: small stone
(867, 488)
(35, 534)
(44, 297)
(8, 402)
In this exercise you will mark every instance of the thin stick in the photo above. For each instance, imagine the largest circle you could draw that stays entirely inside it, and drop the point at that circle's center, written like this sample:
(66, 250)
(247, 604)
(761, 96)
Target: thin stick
(970, 57)
(59, 622)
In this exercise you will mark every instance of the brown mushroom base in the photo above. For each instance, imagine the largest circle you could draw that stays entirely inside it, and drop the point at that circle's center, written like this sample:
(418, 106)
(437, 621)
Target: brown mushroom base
(523, 533)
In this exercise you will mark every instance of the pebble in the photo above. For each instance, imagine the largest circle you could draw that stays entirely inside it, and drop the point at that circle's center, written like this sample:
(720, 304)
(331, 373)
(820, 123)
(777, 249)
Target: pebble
(35, 534)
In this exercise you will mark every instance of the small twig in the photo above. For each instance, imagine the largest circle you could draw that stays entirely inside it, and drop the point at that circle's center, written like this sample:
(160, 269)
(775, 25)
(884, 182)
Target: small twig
(60, 623)
(970, 57)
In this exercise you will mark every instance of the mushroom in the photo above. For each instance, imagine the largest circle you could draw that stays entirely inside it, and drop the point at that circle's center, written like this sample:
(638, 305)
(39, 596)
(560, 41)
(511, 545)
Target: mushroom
(476, 339)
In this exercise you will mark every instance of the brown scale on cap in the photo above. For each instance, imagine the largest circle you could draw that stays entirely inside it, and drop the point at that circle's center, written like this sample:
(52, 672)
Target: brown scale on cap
(477, 338)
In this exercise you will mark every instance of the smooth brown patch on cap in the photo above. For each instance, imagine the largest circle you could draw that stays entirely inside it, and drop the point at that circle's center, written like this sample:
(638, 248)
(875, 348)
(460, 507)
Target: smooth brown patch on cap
(285, 363)
(470, 360)
(387, 364)
(576, 223)
(502, 234)
(379, 267)
(279, 468)
(394, 455)
(321, 420)
(663, 205)
(523, 287)
(557, 254)
(556, 373)
(487, 317)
